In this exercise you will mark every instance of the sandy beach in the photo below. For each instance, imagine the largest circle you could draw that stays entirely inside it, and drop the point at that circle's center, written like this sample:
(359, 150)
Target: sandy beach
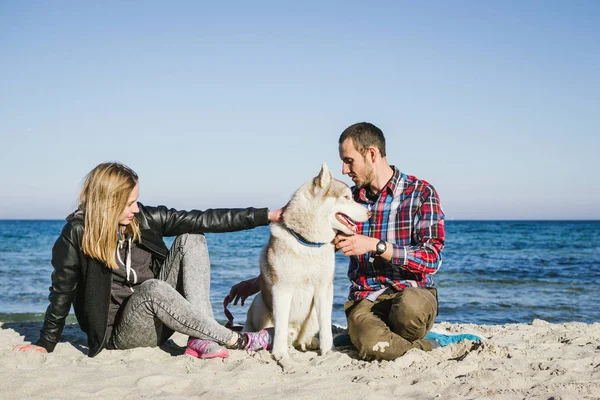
(515, 361)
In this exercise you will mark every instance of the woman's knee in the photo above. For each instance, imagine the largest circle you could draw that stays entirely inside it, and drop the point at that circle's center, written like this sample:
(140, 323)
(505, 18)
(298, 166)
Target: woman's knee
(191, 245)
(150, 285)
(190, 239)
(153, 289)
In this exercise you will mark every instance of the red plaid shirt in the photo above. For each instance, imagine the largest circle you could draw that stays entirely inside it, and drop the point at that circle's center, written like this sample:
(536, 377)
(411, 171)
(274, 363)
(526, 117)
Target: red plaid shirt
(407, 214)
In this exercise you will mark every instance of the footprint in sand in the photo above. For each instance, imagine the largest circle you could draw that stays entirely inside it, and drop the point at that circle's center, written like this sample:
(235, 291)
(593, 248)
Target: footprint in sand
(164, 383)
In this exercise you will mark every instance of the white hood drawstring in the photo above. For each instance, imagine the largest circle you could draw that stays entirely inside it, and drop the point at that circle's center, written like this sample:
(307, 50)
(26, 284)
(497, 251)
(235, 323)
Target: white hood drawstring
(127, 262)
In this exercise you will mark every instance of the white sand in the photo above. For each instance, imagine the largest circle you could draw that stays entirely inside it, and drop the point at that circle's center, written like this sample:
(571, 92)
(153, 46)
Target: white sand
(516, 361)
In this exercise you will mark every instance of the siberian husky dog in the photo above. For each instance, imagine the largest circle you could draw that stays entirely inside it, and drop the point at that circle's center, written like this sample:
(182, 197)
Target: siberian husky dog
(297, 265)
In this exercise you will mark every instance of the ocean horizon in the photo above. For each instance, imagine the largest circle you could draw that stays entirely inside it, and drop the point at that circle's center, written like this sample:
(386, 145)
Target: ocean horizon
(493, 271)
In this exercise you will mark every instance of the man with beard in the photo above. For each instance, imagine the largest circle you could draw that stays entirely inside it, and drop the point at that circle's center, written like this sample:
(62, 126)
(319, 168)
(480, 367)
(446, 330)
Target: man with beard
(392, 303)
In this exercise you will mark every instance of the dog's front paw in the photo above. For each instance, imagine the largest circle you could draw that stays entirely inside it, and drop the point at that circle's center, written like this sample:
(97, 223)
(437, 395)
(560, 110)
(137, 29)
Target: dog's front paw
(326, 348)
(280, 352)
(325, 351)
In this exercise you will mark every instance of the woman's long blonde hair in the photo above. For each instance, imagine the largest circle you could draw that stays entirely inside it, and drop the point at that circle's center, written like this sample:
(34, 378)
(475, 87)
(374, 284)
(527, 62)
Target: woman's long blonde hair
(103, 198)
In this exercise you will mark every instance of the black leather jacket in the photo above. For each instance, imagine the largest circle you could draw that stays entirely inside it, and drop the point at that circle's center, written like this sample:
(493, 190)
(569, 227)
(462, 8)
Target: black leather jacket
(86, 283)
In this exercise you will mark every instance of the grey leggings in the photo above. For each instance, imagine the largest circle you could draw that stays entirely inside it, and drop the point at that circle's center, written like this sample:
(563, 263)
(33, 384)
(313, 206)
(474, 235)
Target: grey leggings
(178, 301)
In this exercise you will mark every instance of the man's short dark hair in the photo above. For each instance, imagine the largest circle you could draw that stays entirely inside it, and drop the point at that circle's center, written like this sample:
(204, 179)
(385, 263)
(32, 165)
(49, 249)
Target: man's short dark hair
(364, 135)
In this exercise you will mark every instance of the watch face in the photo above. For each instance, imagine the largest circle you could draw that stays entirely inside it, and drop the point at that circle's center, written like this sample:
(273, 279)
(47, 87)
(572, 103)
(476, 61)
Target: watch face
(381, 247)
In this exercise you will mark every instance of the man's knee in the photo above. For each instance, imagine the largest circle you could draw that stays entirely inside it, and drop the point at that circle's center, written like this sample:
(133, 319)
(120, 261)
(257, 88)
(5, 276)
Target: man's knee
(370, 337)
(415, 302)
(413, 313)
(376, 342)
(367, 340)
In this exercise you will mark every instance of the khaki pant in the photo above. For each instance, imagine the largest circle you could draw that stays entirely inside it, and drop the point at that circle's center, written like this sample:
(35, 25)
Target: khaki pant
(394, 323)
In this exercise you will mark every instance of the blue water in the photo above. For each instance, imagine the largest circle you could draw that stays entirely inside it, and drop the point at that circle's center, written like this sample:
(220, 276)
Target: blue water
(494, 272)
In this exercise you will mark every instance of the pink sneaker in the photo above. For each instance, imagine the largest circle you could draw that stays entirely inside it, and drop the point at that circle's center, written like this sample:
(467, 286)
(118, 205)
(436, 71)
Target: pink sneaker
(258, 340)
(201, 348)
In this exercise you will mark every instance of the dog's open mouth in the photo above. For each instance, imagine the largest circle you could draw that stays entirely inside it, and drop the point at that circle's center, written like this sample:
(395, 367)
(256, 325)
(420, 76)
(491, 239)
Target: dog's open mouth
(347, 221)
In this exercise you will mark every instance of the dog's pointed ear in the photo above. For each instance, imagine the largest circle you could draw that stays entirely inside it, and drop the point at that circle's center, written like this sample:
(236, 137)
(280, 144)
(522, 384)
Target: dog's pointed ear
(325, 177)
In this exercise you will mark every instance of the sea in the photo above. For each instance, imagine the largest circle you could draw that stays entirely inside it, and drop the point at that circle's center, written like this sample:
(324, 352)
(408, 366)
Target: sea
(493, 272)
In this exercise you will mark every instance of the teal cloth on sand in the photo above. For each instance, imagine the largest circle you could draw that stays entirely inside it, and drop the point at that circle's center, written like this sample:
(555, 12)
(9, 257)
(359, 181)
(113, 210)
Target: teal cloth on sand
(444, 339)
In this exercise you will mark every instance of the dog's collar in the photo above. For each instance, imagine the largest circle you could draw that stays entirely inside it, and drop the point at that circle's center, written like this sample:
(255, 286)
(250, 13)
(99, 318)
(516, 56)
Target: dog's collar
(303, 241)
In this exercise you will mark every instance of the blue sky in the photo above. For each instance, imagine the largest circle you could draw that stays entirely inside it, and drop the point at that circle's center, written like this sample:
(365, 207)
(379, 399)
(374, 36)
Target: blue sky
(232, 104)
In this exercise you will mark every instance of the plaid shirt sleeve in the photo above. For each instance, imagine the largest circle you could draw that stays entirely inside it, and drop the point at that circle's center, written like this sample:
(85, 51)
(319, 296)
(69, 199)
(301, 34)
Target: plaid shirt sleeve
(428, 234)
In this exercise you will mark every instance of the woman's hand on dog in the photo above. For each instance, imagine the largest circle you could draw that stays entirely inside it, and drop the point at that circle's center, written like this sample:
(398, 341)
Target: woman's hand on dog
(275, 215)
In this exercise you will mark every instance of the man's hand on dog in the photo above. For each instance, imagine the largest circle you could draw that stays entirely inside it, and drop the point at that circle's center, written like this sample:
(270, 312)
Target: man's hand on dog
(354, 245)
(242, 291)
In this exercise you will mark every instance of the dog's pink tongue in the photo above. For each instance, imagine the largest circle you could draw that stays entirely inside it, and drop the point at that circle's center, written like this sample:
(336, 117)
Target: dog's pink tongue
(346, 221)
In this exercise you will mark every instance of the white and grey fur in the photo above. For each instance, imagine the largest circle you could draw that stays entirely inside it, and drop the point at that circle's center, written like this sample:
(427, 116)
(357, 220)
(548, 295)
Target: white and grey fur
(297, 280)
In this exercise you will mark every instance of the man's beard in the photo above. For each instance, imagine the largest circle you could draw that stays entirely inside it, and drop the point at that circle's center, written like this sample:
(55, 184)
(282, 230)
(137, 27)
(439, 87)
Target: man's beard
(369, 177)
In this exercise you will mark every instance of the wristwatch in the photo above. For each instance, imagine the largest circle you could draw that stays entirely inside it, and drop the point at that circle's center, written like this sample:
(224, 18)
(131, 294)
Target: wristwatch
(380, 248)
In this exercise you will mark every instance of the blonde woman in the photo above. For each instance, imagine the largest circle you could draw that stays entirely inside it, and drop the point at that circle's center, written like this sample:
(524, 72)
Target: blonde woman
(127, 289)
